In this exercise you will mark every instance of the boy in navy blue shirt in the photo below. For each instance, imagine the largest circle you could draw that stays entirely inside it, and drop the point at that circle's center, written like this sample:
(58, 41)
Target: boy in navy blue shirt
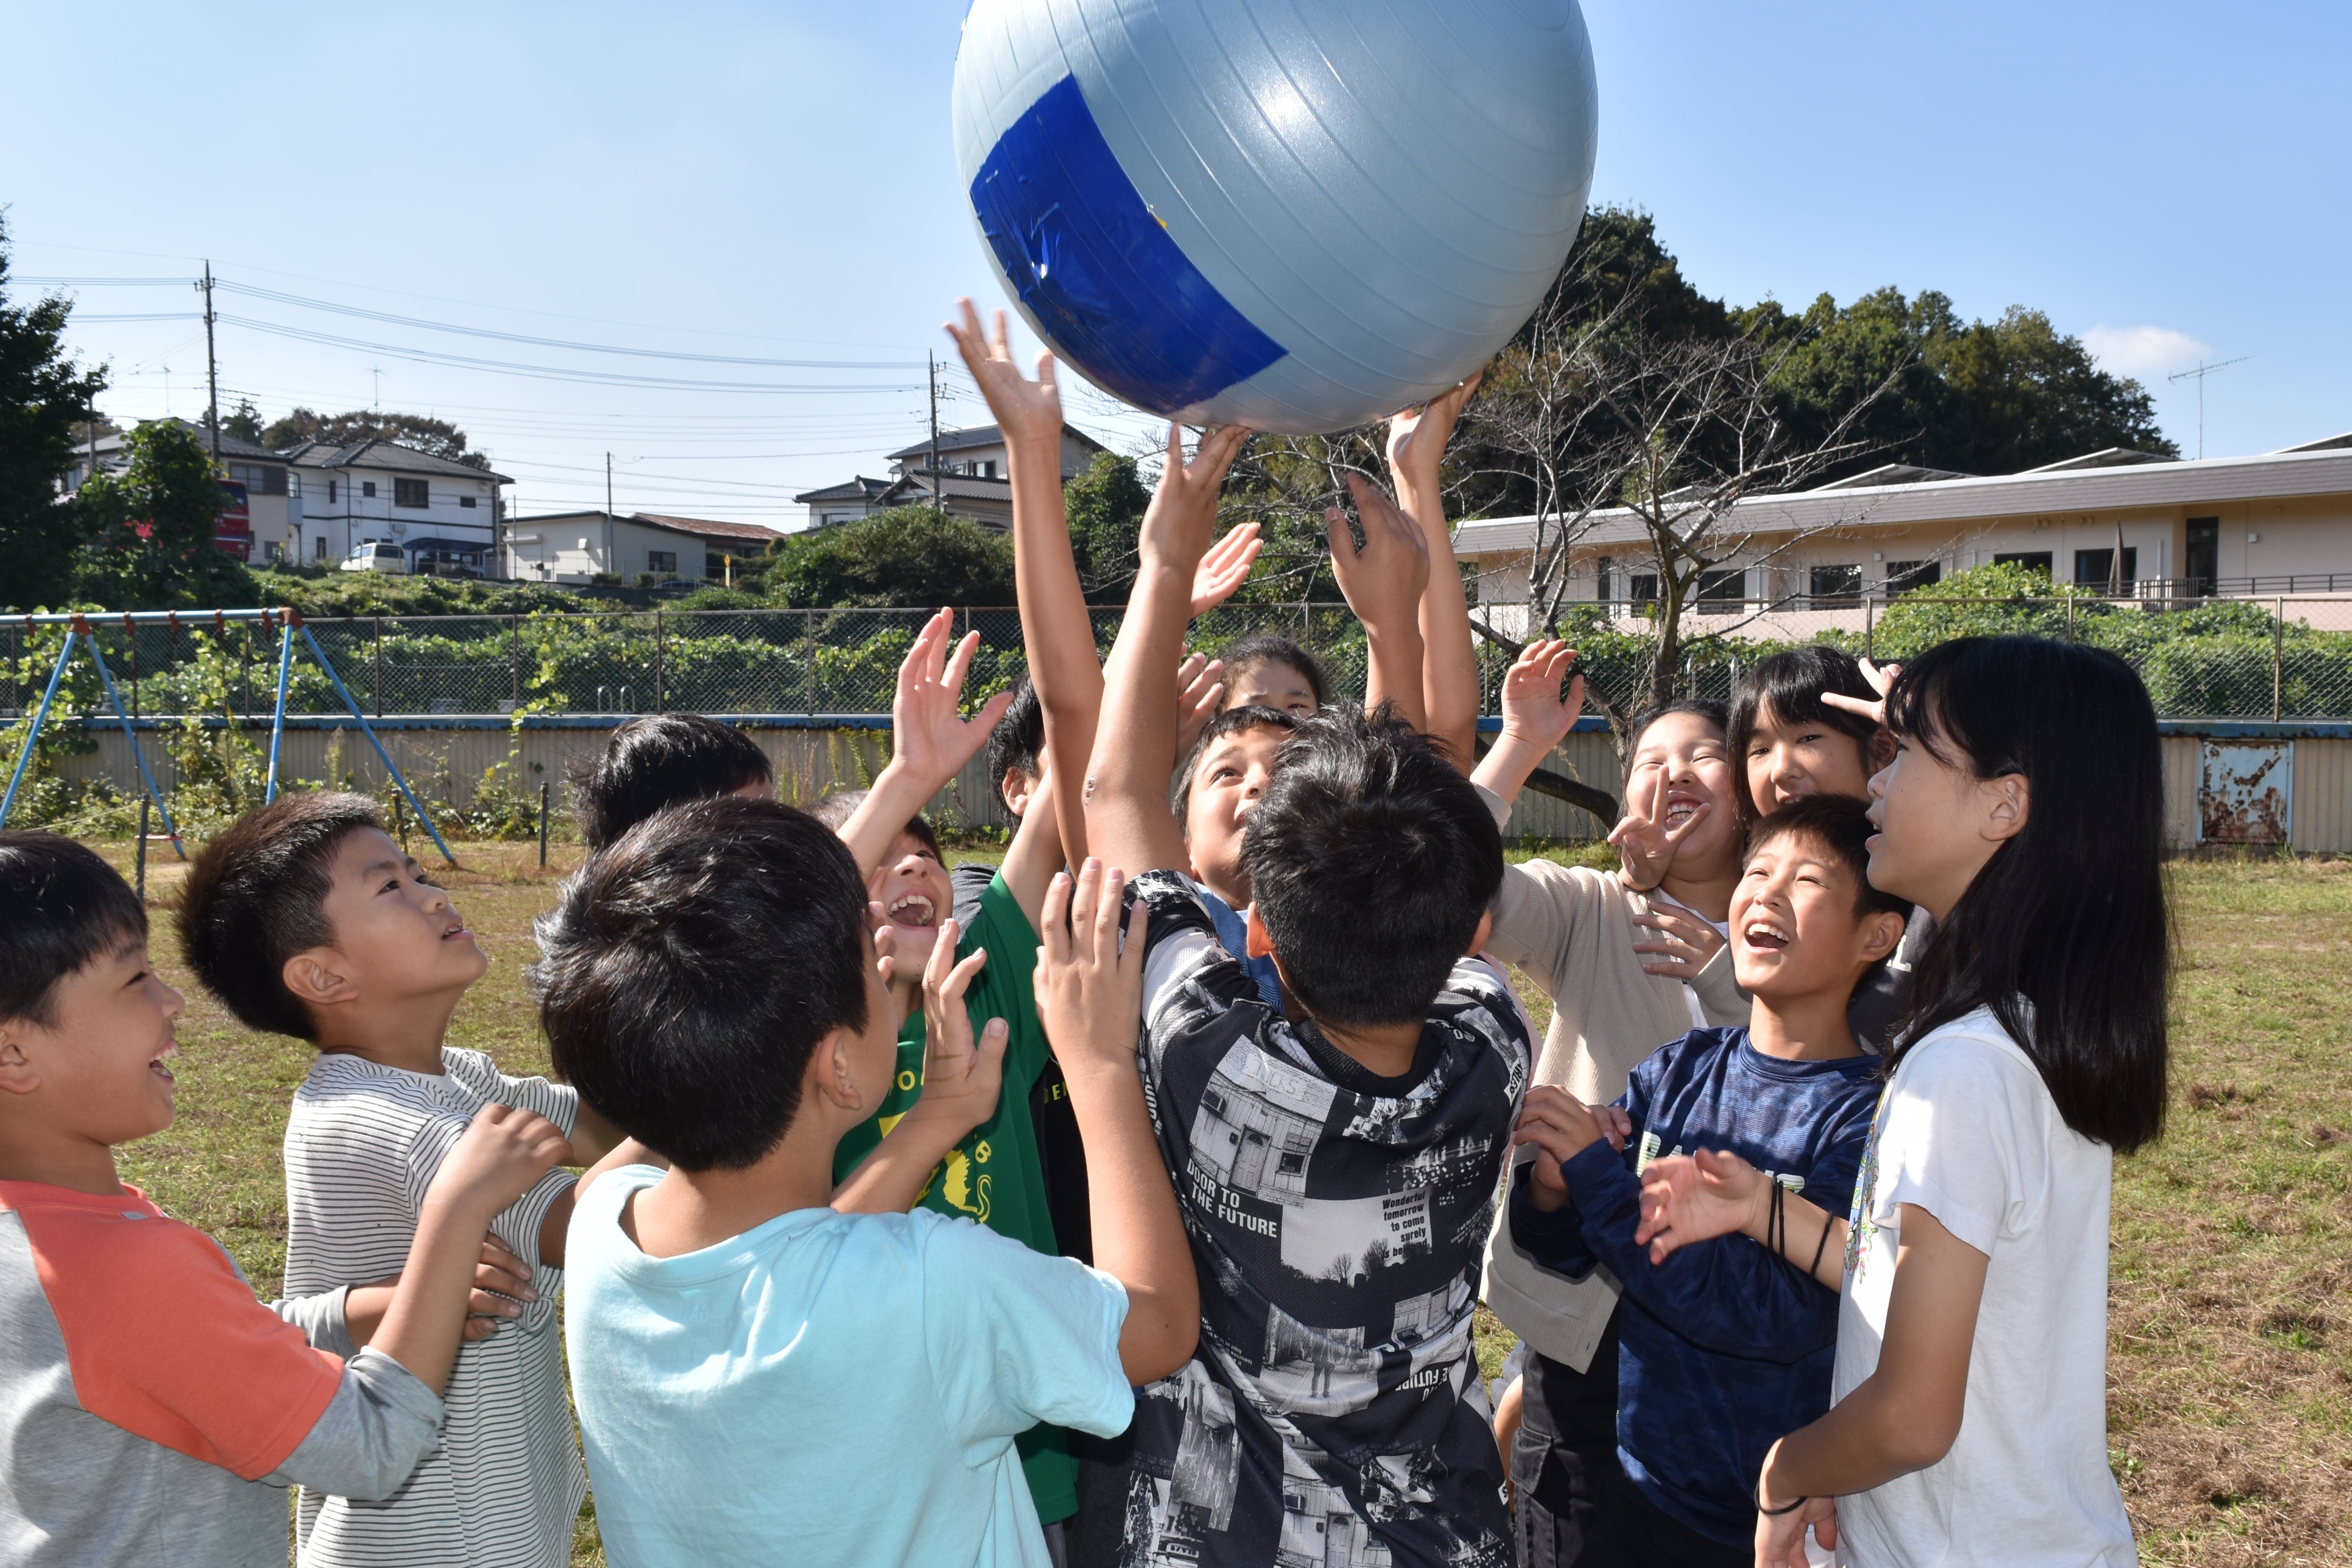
(1724, 1345)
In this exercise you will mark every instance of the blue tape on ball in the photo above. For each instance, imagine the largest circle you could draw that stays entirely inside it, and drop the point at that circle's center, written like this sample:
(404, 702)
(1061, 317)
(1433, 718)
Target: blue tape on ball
(1109, 287)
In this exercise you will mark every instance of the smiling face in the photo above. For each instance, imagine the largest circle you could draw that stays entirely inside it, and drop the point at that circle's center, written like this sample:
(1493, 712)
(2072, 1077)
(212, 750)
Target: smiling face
(1226, 786)
(1794, 930)
(1270, 683)
(1789, 759)
(1680, 764)
(396, 934)
(915, 895)
(100, 1073)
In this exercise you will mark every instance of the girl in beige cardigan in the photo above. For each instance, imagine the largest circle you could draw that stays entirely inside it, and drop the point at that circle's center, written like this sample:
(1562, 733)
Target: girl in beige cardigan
(1631, 959)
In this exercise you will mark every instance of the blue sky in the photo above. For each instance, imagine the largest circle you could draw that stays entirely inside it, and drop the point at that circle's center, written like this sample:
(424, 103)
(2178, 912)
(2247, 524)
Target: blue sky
(776, 182)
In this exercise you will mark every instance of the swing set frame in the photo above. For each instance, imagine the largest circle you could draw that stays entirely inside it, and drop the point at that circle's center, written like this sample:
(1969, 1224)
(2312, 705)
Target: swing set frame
(284, 620)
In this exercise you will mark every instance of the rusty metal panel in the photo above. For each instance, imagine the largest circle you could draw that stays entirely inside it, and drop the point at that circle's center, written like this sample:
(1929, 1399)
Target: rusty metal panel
(2245, 791)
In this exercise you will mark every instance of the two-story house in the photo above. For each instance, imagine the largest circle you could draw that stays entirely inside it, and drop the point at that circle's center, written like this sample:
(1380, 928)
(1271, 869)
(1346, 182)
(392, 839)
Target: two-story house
(974, 479)
(443, 515)
(269, 525)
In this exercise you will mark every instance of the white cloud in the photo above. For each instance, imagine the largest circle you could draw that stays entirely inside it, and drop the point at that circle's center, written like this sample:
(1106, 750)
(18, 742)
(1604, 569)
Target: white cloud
(2144, 351)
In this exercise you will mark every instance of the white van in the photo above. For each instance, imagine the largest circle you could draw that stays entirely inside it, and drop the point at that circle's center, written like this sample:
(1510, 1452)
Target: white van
(377, 555)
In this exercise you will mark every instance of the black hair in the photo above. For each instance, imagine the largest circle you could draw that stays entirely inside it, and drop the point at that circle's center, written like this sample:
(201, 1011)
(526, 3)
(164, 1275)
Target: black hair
(1790, 684)
(1019, 737)
(836, 807)
(256, 896)
(691, 971)
(657, 761)
(61, 909)
(2065, 933)
(1267, 648)
(1841, 824)
(1706, 707)
(1372, 861)
(1231, 722)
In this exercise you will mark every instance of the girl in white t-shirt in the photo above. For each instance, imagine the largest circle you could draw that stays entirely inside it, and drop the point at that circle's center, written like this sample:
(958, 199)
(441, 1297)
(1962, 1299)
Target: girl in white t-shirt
(2024, 810)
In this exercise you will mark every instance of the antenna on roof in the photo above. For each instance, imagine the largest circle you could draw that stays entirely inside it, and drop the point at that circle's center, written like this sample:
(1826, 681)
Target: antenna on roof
(2200, 373)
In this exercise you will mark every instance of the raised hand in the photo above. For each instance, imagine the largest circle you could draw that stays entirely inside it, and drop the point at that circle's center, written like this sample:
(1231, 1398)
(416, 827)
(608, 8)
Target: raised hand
(1881, 681)
(1687, 1198)
(961, 1076)
(1225, 567)
(1560, 1127)
(1417, 436)
(1645, 846)
(930, 736)
(1685, 942)
(1200, 692)
(1090, 986)
(1183, 509)
(1382, 580)
(1533, 708)
(1025, 410)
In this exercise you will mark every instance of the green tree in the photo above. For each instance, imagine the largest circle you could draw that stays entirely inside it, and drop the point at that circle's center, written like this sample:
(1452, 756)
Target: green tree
(909, 555)
(148, 531)
(244, 422)
(1105, 506)
(423, 432)
(44, 397)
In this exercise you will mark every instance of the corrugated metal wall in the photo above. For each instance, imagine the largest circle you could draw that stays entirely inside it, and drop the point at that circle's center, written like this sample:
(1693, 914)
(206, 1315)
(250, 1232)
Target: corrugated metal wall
(452, 763)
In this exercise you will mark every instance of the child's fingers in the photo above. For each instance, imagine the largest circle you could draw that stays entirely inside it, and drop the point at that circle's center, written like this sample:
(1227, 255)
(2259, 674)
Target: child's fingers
(934, 968)
(1055, 929)
(1046, 382)
(957, 980)
(1217, 451)
(1130, 956)
(1107, 910)
(953, 672)
(982, 722)
(1082, 910)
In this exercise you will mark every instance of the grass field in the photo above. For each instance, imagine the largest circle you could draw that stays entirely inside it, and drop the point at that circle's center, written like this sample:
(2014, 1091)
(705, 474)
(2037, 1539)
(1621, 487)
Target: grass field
(2231, 1327)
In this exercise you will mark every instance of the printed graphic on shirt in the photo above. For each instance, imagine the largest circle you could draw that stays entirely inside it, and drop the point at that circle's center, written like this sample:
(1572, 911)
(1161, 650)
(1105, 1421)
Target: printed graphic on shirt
(1860, 1227)
(1332, 1414)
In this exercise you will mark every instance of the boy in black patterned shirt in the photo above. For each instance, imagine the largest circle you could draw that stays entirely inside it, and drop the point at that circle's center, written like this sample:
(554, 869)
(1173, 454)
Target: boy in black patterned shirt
(1337, 1171)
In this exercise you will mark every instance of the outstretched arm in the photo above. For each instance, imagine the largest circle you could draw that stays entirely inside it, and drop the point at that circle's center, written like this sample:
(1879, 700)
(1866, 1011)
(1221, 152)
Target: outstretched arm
(930, 740)
(1536, 716)
(1449, 660)
(1383, 583)
(1126, 793)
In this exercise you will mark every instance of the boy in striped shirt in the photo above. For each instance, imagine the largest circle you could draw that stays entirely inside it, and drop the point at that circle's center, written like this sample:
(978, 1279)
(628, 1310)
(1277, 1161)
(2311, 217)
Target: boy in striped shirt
(305, 919)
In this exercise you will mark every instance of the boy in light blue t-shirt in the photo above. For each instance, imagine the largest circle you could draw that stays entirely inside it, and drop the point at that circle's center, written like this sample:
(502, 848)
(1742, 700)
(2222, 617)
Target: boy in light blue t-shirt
(758, 1375)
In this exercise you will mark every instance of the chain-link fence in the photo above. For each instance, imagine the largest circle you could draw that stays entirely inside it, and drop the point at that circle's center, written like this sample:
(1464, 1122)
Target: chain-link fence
(2202, 659)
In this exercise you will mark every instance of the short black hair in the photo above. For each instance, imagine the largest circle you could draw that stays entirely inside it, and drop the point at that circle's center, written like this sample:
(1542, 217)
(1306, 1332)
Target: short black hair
(1841, 824)
(256, 896)
(1267, 648)
(61, 909)
(1233, 720)
(1019, 737)
(691, 969)
(1790, 683)
(657, 761)
(1706, 707)
(1372, 861)
(836, 807)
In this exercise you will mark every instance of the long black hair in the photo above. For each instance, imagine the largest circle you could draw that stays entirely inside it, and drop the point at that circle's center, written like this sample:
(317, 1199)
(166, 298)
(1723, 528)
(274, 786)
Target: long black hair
(2065, 934)
(1790, 684)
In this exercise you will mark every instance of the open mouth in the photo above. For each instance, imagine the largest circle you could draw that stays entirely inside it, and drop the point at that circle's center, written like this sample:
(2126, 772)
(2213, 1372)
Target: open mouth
(913, 910)
(1680, 809)
(457, 929)
(159, 1066)
(1765, 935)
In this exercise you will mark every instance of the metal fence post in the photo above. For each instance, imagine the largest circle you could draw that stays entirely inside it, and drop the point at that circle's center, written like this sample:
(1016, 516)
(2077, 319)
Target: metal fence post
(2069, 617)
(379, 667)
(808, 687)
(2278, 661)
(514, 649)
(1869, 628)
(660, 705)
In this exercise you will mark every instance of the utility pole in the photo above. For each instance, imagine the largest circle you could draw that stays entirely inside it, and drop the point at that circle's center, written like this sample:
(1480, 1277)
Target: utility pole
(609, 565)
(938, 502)
(2200, 373)
(212, 367)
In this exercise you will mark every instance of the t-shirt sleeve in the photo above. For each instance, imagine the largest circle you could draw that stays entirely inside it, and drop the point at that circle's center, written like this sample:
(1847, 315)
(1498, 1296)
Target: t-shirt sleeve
(558, 1102)
(321, 1319)
(1966, 1137)
(1005, 986)
(166, 1341)
(1014, 1337)
(382, 1421)
(1538, 915)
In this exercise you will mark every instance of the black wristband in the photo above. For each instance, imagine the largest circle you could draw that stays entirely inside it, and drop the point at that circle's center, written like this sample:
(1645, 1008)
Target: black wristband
(1823, 1244)
(1783, 1509)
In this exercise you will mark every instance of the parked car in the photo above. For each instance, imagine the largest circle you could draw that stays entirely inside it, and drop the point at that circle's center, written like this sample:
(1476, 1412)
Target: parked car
(377, 555)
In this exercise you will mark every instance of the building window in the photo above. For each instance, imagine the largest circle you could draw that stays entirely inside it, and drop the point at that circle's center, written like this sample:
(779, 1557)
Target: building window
(258, 480)
(1721, 592)
(2031, 560)
(413, 493)
(2203, 557)
(2095, 568)
(322, 543)
(662, 563)
(714, 566)
(991, 466)
(367, 489)
(466, 500)
(330, 491)
(1902, 576)
(1836, 586)
(1643, 591)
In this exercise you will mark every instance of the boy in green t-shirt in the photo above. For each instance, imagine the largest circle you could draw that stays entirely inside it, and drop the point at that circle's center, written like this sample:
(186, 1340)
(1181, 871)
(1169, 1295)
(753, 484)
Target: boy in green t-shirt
(996, 1174)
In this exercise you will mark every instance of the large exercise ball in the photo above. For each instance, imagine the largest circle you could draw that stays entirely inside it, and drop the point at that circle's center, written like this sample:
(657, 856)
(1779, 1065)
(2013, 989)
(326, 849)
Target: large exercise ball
(1300, 215)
